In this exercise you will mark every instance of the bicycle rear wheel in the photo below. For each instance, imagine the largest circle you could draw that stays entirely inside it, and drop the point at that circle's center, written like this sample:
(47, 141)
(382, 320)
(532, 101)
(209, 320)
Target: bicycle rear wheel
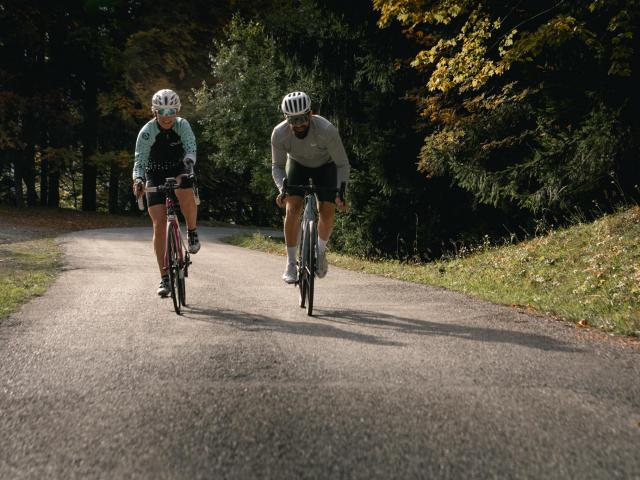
(174, 268)
(311, 263)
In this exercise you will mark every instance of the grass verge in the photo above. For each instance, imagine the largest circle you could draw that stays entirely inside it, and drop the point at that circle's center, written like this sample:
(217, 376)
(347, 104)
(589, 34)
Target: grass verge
(588, 274)
(27, 268)
(30, 258)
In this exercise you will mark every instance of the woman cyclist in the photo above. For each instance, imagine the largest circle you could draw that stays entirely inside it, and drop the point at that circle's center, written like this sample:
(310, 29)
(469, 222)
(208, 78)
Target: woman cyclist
(166, 147)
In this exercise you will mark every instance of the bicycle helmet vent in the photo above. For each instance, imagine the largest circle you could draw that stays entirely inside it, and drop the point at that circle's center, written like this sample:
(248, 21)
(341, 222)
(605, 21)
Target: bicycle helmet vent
(296, 103)
(165, 98)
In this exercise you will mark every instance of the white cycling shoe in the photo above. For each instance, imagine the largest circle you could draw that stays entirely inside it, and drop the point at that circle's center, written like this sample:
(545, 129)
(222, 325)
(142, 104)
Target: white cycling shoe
(194, 243)
(164, 288)
(322, 266)
(290, 274)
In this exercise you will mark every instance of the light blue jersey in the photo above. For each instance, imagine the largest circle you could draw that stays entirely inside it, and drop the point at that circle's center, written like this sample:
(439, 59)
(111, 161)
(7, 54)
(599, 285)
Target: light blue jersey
(159, 150)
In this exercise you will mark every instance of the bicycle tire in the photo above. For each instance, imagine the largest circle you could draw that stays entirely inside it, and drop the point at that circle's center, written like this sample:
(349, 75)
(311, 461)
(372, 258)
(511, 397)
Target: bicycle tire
(302, 276)
(183, 279)
(312, 245)
(180, 283)
(173, 267)
(181, 287)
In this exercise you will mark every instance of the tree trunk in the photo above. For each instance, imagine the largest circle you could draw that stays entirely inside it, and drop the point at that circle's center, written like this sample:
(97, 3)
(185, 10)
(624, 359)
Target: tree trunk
(89, 141)
(17, 180)
(114, 184)
(25, 169)
(44, 182)
(53, 199)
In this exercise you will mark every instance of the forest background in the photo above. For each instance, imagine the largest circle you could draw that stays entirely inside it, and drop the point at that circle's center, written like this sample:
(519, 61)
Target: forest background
(463, 120)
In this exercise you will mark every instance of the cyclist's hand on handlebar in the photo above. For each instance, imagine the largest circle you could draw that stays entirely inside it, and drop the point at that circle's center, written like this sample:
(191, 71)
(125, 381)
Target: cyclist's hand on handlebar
(281, 199)
(138, 187)
(186, 180)
(342, 205)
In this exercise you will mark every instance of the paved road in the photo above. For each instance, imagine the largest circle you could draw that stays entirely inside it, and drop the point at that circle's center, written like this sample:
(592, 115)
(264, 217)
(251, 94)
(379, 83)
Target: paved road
(100, 379)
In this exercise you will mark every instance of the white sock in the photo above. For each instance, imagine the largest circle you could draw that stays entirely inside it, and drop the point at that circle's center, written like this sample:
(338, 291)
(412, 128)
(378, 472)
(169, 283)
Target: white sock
(291, 254)
(322, 245)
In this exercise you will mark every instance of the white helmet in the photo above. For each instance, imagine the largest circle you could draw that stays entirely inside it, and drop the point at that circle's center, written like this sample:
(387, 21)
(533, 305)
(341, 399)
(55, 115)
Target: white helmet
(296, 103)
(165, 98)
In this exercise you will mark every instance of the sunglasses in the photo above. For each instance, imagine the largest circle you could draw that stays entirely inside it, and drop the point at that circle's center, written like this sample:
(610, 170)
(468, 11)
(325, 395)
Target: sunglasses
(296, 120)
(167, 112)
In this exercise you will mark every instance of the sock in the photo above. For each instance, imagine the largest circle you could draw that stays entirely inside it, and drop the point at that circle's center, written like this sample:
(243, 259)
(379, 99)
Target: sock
(322, 245)
(291, 254)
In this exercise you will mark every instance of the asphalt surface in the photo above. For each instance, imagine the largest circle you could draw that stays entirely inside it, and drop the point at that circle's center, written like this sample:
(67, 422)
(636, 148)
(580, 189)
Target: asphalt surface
(99, 378)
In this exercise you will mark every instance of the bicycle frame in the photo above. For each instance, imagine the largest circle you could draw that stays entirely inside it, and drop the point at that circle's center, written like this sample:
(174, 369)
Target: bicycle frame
(173, 224)
(309, 214)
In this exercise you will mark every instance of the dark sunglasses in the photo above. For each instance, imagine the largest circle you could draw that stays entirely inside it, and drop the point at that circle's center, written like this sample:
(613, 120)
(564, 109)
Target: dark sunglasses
(296, 120)
(167, 112)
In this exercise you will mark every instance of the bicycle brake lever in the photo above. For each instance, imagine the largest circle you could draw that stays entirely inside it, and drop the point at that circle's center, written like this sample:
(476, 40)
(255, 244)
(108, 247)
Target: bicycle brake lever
(343, 188)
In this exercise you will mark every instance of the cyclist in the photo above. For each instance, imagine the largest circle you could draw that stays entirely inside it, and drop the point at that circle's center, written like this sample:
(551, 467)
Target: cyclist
(166, 147)
(305, 146)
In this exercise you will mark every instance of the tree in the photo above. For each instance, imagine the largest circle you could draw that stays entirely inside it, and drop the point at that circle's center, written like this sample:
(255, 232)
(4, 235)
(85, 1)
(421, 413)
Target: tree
(94, 64)
(508, 110)
(237, 113)
(335, 52)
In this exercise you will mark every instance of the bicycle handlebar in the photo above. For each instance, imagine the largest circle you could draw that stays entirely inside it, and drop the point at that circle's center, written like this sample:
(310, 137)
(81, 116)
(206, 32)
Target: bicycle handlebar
(170, 184)
(311, 188)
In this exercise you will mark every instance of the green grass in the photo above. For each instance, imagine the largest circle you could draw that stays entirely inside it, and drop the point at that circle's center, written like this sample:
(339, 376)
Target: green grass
(587, 273)
(27, 269)
(30, 258)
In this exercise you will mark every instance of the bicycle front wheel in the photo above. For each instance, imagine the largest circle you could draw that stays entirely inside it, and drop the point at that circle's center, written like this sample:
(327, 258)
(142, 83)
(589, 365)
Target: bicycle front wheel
(302, 270)
(184, 273)
(174, 268)
(181, 287)
(312, 245)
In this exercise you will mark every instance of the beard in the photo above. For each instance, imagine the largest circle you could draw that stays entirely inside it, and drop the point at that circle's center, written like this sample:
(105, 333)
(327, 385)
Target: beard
(301, 134)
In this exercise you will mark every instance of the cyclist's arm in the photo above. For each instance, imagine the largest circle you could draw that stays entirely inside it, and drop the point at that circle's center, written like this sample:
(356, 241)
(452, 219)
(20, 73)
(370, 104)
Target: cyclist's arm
(278, 163)
(339, 156)
(183, 128)
(145, 140)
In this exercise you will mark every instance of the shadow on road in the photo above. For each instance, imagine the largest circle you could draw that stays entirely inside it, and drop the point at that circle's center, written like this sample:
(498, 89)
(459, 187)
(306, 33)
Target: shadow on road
(255, 322)
(424, 327)
(330, 321)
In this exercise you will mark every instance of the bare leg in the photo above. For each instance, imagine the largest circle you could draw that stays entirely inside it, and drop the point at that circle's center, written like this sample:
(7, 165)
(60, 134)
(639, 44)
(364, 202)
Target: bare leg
(188, 206)
(327, 217)
(158, 214)
(292, 220)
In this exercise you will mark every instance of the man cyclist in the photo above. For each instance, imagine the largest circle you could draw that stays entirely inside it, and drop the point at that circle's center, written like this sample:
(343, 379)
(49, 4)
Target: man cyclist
(306, 146)
(166, 147)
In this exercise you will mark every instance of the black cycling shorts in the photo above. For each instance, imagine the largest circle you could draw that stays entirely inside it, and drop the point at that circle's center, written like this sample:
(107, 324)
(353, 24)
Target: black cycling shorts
(158, 178)
(325, 176)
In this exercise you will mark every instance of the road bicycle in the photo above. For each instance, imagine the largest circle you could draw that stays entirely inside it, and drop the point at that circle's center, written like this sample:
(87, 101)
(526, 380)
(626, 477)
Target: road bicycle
(176, 254)
(308, 244)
